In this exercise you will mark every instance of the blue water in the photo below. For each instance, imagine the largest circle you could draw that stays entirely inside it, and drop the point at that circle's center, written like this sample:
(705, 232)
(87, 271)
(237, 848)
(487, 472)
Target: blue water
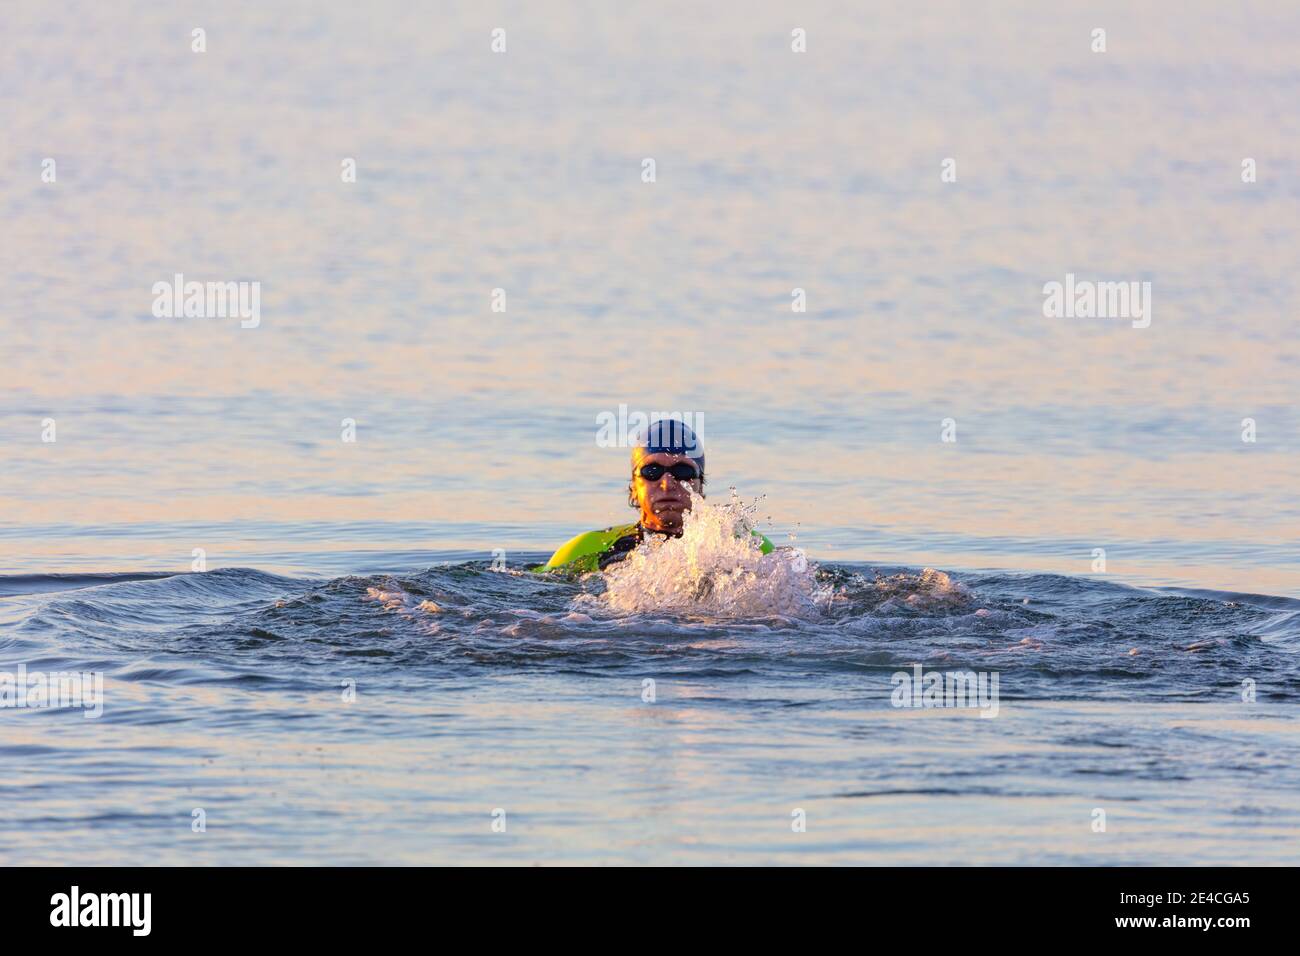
(224, 692)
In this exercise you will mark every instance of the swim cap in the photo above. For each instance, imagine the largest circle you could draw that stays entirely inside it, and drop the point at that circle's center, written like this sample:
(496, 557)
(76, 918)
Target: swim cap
(669, 436)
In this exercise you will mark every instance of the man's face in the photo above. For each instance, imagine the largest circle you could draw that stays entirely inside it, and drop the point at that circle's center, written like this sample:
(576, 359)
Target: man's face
(664, 500)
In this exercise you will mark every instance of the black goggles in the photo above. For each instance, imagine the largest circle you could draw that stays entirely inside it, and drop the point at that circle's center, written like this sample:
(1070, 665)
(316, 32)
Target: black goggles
(682, 471)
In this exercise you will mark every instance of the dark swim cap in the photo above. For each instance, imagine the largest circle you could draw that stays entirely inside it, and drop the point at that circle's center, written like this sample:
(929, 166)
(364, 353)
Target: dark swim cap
(672, 437)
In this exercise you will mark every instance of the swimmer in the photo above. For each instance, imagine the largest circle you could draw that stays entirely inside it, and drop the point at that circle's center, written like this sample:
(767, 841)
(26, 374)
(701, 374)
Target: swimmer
(667, 467)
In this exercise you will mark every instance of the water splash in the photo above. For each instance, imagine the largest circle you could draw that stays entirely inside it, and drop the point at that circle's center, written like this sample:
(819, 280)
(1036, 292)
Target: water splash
(931, 590)
(715, 569)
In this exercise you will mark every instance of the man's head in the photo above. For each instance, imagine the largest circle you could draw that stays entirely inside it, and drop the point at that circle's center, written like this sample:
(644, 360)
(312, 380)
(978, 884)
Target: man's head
(667, 459)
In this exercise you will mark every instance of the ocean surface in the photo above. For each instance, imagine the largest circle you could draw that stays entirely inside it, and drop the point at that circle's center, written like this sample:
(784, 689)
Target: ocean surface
(333, 649)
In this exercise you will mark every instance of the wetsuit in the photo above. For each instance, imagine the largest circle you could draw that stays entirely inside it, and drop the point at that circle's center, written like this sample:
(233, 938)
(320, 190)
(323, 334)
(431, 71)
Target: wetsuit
(597, 550)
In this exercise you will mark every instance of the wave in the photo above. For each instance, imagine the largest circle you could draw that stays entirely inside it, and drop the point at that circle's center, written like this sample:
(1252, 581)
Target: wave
(16, 584)
(709, 604)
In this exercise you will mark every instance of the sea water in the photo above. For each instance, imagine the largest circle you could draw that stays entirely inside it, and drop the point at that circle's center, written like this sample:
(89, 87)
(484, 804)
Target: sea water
(295, 552)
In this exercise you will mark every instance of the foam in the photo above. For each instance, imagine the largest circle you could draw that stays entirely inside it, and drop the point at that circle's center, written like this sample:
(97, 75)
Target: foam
(715, 569)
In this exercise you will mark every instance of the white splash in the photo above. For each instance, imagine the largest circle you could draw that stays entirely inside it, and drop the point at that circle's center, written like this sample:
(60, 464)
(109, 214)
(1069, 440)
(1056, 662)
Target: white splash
(715, 569)
(931, 590)
(392, 599)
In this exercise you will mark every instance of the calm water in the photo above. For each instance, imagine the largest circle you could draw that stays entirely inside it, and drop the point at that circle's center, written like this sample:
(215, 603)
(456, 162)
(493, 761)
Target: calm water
(1120, 689)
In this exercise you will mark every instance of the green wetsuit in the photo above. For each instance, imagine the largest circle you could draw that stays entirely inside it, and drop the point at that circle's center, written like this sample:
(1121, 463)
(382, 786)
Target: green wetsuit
(596, 550)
